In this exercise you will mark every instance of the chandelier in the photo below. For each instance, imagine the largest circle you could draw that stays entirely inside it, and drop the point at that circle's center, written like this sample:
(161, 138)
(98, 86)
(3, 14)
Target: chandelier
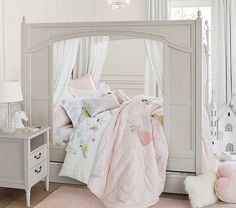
(118, 4)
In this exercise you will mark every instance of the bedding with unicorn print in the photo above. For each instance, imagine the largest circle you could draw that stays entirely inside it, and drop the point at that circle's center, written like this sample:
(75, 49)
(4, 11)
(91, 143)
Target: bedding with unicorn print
(129, 159)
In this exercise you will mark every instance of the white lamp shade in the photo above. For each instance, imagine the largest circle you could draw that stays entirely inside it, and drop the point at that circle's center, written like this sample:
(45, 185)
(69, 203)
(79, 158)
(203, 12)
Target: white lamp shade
(10, 91)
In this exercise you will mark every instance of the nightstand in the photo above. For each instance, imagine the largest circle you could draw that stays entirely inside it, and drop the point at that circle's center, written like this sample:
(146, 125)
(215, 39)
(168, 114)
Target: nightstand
(24, 159)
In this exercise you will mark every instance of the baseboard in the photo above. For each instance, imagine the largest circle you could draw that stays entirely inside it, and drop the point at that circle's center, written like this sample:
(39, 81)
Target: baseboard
(55, 168)
(174, 180)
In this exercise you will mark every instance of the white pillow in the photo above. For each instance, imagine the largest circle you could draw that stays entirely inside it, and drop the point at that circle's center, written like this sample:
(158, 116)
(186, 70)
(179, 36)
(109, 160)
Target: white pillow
(201, 189)
(103, 90)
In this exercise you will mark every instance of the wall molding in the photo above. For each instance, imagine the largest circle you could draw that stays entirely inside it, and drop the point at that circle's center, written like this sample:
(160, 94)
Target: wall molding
(131, 84)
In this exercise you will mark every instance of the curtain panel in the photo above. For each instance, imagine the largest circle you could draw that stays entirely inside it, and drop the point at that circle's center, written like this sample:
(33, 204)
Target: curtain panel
(74, 58)
(91, 56)
(224, 51)
(157, 10)
(64, 55)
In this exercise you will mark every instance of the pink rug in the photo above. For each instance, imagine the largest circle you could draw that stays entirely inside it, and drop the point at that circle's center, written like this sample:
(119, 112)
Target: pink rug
(74, 197)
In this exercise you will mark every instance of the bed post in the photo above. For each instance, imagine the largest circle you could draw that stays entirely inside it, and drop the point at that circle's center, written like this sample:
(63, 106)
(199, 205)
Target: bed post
(207, 54)
(198, 93)
(25, 76)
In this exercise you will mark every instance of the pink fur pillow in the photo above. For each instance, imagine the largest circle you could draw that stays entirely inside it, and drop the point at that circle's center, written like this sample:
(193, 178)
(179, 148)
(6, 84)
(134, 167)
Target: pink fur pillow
(225, 186)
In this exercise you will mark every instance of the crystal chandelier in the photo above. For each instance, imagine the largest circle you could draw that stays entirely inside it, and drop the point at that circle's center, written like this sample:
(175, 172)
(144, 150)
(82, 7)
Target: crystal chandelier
(118, 4)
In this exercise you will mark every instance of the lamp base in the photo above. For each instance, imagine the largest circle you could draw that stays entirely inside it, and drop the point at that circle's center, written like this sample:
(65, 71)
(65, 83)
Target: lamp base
(8, 130)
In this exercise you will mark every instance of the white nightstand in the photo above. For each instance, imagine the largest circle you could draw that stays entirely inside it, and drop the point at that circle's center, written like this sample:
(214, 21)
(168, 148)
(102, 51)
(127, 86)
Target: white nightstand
(24, 159)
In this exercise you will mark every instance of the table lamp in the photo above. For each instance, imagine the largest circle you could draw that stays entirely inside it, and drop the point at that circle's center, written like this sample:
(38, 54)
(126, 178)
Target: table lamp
(10, 92)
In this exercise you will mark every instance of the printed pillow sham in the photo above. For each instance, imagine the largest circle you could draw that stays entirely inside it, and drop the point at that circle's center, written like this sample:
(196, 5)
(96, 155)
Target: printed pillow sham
(96, 105)
(74, 110)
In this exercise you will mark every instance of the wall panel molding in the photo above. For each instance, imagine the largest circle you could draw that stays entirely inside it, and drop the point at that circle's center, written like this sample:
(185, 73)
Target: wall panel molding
(131, 84)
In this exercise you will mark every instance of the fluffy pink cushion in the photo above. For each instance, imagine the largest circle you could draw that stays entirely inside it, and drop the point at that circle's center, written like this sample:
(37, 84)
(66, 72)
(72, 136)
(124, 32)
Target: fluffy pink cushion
(83, 83)
(225, 186)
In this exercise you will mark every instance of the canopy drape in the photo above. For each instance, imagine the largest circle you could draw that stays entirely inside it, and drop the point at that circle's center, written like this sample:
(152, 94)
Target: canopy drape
(91, 56)
(64, 55)
(157, 10)
(224, 51)
(74, 58)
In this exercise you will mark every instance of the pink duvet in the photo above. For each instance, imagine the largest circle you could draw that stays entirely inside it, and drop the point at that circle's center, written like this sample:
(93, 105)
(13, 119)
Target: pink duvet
(135, 158)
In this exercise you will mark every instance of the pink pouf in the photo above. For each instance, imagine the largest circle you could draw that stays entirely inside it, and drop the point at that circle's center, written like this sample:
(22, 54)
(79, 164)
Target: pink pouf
(225, 186)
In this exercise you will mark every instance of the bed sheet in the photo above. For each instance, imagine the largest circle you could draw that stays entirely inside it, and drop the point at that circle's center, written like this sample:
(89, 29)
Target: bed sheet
(61, 136)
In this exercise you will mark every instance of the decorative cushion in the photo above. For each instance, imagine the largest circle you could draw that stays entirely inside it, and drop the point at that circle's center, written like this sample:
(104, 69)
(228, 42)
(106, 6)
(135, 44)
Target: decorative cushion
(96, 105)
(225, 186)
(201, 189)
(74, 110)
(83, 83)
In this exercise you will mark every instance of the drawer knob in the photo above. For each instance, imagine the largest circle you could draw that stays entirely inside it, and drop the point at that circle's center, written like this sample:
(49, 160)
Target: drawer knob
(39, 170)
(38, 157)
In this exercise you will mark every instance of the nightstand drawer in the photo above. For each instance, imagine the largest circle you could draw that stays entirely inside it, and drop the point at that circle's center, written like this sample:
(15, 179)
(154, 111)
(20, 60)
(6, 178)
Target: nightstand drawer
(38, 170)
(38, 155)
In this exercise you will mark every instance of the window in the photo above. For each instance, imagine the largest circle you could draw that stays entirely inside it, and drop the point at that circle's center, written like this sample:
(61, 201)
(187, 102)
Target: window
(189, 13)
(229, 147)
(228, 127)
(187, 10)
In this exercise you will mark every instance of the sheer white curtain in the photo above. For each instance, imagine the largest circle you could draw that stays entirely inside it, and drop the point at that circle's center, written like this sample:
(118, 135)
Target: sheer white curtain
(64, 55)
(224, 50)
(91, 56)
(157, 10)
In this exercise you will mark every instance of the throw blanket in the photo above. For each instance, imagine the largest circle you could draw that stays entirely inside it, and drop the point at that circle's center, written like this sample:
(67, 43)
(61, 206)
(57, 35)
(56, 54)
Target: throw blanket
(133, 163)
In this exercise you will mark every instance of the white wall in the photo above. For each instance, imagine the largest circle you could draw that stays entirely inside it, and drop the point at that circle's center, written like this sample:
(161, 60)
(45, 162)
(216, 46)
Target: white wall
(124, 66)
(125, 62)
(35, 11)
(11, 12)
(135, 11)
(52, 11)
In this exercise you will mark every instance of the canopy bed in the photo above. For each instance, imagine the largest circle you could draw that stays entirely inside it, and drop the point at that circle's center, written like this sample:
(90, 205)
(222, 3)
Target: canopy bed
(182, 86)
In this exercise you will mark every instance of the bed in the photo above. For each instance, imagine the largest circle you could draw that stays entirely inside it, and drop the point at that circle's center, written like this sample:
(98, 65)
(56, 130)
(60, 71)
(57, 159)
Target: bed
(182, 84)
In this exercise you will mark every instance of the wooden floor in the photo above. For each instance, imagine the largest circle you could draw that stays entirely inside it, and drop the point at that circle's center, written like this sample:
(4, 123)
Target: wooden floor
(15, 198)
